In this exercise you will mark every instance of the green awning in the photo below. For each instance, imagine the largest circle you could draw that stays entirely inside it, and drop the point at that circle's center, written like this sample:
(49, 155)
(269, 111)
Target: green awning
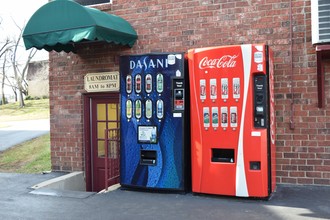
(59, 24)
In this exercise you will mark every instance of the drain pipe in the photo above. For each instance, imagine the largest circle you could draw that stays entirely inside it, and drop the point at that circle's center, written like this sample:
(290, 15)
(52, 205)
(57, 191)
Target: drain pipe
(291, 69)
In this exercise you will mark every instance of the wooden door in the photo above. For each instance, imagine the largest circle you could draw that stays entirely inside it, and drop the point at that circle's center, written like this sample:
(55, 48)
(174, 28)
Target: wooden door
(104, 131)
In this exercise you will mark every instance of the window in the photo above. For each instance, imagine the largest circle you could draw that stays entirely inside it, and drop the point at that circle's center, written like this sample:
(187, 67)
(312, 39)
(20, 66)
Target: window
(320, 21)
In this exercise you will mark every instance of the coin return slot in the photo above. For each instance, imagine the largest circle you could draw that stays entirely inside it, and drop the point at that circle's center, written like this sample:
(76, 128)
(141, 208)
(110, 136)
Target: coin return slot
(255, 165)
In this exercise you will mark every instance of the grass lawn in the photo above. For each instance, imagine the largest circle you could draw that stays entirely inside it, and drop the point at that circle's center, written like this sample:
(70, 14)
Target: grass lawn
(34, 109)
(29, 157)
(32, 156)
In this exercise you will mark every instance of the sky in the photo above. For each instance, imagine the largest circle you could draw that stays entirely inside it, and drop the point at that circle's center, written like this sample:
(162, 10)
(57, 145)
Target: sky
(19, 12)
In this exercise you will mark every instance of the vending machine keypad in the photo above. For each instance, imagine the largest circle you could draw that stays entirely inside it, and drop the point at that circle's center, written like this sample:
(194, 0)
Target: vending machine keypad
(260, 101)
(178, 94)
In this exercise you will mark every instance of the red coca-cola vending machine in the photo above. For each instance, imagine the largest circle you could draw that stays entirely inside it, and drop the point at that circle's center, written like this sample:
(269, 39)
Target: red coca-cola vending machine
(232, 120)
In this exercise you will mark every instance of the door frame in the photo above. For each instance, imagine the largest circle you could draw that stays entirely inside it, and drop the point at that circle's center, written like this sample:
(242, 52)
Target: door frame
(88, 129)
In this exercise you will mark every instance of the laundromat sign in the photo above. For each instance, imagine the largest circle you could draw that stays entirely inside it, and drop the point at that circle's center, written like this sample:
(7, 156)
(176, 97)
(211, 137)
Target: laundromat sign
(102, 82)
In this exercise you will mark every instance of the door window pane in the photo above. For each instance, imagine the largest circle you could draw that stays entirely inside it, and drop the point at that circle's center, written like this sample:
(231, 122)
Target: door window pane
(100, 149)
(112, 112)
(101, 126)
(101, 112)
(112, 125)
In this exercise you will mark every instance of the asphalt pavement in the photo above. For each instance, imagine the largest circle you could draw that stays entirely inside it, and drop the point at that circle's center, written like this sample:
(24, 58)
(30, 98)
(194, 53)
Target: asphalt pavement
(16, 132)
(19, 201)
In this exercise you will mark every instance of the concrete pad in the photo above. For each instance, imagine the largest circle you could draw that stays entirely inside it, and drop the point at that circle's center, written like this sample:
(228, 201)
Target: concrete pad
(72, 181)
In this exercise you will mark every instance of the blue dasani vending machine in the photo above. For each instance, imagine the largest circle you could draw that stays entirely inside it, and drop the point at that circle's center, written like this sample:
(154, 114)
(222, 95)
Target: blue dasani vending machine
(154, 141)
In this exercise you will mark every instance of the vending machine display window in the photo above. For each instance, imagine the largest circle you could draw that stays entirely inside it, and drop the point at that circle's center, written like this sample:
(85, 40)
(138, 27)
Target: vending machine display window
(147, 134)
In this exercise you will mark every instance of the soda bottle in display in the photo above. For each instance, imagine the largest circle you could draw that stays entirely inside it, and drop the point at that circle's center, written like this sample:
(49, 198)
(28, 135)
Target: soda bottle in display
(160, 81)
(224, 117)
(138, 109)
(160, 109)
(129, 84)
(224, 88)
(213, 88)
(202, 86)
(129, 109)
(138, 83)
(236, 88)
(206, 117)
(215, 117)
(148, 108)
(233, 117)
(148, 82)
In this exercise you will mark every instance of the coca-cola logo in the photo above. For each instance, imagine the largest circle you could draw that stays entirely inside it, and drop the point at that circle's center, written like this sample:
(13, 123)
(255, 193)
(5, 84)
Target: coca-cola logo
(226, 61)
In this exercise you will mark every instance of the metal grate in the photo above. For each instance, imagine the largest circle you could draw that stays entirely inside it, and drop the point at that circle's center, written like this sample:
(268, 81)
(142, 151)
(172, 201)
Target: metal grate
(111, 145)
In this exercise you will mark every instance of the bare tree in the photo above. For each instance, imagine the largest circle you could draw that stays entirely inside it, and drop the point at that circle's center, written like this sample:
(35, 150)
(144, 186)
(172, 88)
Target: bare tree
(20, 72)
(5, 48)
(3, 79)
(16, 79)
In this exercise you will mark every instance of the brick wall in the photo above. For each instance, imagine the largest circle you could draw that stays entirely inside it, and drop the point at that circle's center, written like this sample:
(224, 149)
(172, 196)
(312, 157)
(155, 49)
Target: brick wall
(303, 130)
(66, 86)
